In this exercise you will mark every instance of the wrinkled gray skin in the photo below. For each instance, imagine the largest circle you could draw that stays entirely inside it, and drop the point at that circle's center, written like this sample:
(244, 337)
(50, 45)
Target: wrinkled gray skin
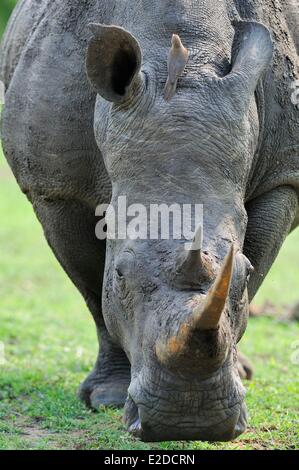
(228, 139)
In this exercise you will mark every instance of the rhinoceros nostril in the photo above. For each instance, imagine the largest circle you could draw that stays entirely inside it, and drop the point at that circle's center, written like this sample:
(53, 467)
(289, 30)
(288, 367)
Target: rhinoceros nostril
(242, 422)
(135, 429)
(131, 416)
(132, 419)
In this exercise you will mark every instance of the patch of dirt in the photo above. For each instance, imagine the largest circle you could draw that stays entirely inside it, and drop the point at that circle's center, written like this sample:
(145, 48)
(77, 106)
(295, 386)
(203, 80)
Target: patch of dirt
(272, 427)
(281, 313)
(32, 432)
(294, 312)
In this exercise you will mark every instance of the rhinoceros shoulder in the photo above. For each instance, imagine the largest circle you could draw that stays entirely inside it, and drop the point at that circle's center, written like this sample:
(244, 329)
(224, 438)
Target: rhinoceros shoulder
(278, 159)
(47, 125)
(21, 26)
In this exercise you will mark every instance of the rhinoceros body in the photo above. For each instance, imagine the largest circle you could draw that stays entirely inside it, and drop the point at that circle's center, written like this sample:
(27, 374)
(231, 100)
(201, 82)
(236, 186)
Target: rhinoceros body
(168, 320)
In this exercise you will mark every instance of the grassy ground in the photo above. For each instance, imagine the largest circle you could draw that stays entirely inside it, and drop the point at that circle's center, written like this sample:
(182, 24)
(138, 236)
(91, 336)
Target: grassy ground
(49, 345)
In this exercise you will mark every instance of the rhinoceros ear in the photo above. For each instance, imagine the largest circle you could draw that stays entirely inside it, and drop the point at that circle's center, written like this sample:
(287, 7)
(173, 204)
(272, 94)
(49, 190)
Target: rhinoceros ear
(113, 61)
(251, 56)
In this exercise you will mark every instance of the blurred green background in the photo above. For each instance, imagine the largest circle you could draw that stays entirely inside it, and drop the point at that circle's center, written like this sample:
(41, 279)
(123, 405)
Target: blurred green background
(6, 7)
(48, 345)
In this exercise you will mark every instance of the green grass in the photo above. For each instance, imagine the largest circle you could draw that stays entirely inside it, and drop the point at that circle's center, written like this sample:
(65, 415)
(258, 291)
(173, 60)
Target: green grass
(50, 346)
(6, 8)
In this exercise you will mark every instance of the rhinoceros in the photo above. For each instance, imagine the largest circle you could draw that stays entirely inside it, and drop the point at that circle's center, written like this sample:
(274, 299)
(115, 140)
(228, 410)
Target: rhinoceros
(86, 122)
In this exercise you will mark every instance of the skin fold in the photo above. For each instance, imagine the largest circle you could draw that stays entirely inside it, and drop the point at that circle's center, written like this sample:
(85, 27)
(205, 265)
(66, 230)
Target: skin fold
(85, 121)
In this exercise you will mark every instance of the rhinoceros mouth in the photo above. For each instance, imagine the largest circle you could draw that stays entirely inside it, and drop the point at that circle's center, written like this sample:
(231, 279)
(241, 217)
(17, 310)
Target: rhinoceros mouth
(154, 427)
(202, 414)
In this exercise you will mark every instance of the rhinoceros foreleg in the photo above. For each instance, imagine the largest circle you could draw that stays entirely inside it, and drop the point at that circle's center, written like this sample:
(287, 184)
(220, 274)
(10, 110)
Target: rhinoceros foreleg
(244, 367)
(270, 218)
(69, 227)
(108, 383)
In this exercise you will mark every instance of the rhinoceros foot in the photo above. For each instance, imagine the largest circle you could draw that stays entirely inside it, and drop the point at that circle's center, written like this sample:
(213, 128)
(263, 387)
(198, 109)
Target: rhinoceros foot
(97, 391)
(244, 367)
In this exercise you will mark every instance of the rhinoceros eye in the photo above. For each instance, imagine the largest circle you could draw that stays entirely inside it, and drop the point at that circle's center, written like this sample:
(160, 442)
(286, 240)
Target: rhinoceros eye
(119, 273)
(119, 283)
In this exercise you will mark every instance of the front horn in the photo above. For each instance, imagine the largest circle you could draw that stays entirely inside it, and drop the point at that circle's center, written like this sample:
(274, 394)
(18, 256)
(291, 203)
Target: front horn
(205, 317)
(208, 317)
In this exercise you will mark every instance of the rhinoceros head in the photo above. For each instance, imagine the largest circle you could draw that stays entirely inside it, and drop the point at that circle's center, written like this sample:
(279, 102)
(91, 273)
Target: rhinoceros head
(178, 313)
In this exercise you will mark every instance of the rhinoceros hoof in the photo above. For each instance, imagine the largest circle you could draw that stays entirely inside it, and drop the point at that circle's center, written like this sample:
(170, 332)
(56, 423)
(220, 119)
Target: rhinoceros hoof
(109, 394)
(244, 367)
(99, 392)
